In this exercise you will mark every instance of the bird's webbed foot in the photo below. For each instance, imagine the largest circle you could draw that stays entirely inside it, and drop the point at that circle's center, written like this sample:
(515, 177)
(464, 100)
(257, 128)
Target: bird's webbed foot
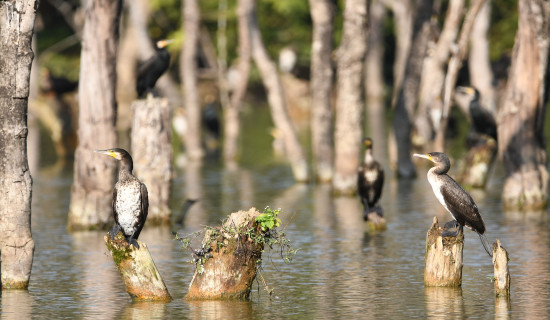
(114, 231)
(132, 241)
(453, 224)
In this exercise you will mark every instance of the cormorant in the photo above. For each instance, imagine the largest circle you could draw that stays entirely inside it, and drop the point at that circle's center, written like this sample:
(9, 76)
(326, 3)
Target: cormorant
(454, 199)
(151, 70)
(130, 199)
(370, 179)
(483, 121)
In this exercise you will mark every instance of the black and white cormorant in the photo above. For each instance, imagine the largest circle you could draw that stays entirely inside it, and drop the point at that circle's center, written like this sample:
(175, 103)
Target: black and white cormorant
(453, 198)
(130, 199)
(483, 121)
(370, 180)
(151, 70)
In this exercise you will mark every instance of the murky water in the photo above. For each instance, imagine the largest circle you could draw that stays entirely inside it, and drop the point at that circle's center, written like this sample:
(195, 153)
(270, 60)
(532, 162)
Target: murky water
(340, 271)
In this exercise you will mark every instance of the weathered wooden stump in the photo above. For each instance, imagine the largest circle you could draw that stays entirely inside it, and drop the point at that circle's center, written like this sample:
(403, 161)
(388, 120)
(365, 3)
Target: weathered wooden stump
(226, 264)
(501, 271)
(478, 162)
(443, 258)
(137, 269)
(375, 219)
(152, 154)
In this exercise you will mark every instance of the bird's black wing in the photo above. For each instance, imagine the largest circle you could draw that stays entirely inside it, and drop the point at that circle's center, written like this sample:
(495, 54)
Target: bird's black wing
(362, 187)
(115, 213)
(144, 210)
(378, 183)
(461, 205)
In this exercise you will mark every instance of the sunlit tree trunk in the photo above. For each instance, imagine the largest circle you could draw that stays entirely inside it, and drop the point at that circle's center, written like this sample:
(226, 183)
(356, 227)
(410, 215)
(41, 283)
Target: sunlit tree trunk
(321, 88)
(91, 193)
(350, 60)
(16, 243)
(520, 130)
(191, 16)
(275, 97)
(407, 96)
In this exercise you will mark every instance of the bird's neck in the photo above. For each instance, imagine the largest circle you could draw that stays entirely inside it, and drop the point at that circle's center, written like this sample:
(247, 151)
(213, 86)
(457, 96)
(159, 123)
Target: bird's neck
(440, 169)
(126, 167)
(369, 159)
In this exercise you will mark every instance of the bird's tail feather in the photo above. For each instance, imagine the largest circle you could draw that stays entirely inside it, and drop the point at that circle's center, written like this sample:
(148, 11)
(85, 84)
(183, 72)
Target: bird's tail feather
(485, 244)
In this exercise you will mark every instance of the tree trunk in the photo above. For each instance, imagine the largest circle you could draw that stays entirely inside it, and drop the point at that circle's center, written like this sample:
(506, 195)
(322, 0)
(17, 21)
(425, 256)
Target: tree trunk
(479, 65)
(408, 93)
(321, 88)
(501, 271)
(275, 97)
(520, 129)
(191, 16)
(16, 243)
(350, 59)
(152, 150)
(94, 175)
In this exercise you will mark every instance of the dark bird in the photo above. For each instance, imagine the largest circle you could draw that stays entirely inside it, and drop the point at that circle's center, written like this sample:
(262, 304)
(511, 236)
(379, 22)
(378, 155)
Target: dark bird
(453, 198)
(483, 121)
(177, 218)
(370, 180)
(130, 199)
(151, 70)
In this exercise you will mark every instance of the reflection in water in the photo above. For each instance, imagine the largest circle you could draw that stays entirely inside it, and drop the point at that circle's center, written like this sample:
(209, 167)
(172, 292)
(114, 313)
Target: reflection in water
(144, 310)
(502, 308)
(15, 304)
(444, 303)
(221, 310)
(196, 216)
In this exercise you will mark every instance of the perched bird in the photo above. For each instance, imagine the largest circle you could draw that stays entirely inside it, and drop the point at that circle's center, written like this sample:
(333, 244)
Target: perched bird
(483, 121)
(453, 198)
(370, 180)
(130, 199)
(151, 70)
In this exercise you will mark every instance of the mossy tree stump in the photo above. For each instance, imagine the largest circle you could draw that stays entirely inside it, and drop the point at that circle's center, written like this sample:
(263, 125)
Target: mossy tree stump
(478, 162)
(152, 154)
(226, 264)
(443, 258)
(501, 271)
(137, 269)
(375, 219)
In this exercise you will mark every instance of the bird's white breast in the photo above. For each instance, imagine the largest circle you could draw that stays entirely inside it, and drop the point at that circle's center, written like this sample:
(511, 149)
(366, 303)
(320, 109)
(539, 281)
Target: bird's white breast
(434, 182)
(371, 175)
(128, 207)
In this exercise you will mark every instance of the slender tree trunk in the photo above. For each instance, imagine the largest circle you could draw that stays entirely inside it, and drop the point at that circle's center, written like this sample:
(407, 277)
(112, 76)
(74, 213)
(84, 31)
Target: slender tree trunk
(349, 103)
(520, 130)
(408, 94)
(191, 16)
(479, 65)
(275, 97)
(94, 176)
(16, 243)
(321, 88)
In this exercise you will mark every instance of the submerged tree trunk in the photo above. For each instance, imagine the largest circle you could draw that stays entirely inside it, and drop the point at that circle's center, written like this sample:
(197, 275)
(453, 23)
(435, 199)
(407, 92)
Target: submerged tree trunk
(350, 59)
(94, 176)
(16, 243)
(191, 16)
(321, 88)
(275, 97)
(501, 271)
(520, 131)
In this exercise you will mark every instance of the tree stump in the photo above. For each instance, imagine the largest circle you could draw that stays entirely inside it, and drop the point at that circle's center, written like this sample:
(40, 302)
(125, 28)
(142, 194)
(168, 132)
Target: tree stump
(375, 219)
(501, 273)
(137, 269)
(152, 154)
(443, 258)
(226, 264)
(479, 160)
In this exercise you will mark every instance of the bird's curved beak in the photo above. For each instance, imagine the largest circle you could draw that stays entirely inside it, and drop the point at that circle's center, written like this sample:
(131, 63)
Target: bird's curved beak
(163, 43)
(425, 156)
(106, 152)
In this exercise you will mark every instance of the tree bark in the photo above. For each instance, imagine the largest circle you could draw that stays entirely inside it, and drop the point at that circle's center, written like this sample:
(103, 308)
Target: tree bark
(16, 243)
(94, 176)
(520, 129)
(407, 97)
(275, 97)
(321, 88)
(501, 271)
(350, 59)
(152, 150)
(189, 77)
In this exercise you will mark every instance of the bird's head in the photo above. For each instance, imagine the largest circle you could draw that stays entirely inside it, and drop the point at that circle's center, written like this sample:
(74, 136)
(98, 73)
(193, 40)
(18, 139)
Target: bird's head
(164, 43)
(367, 142)
(469, 92)
(116, 153)
(439, 158)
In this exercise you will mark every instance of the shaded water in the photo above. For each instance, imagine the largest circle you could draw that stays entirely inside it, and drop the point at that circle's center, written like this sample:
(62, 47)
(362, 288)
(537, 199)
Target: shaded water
(341, 270)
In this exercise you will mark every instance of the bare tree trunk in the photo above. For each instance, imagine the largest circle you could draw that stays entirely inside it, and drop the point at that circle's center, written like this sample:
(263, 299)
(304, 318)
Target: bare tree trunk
(16, 243)
(520, 130)
(275, 97)
(232, 106)
(479, 66)
(321, 88)
(407, 97)
(191, 16)
(350, 60)
(94, 176)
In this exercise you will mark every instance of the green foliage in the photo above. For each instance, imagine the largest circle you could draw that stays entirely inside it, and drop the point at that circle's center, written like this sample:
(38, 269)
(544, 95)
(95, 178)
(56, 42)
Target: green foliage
(269, 219)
